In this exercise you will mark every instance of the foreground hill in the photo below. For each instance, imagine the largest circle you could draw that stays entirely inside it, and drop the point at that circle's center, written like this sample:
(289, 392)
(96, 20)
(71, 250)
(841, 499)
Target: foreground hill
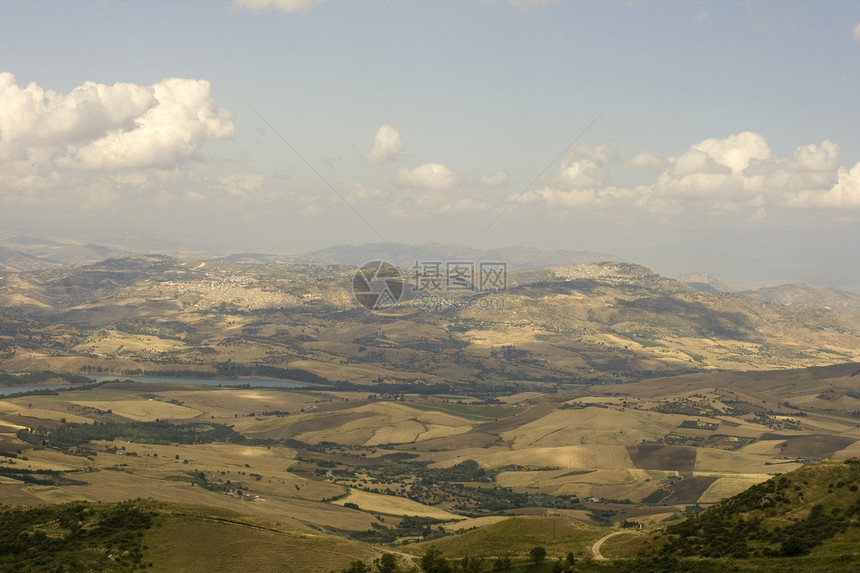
(807, 519)
(158, 536)
(803, 520)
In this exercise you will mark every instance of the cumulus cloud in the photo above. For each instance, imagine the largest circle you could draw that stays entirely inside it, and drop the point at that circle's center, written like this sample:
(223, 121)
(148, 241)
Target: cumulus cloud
(813, 167)
(282, 5)
(738, 173)
(32, 115)
(107, 127)
(645, 159)
(430, 176)
(387, 146)
(580, 180)
(845, 194)
(439, 177)
(437, 189)
(736, 151)
(715, 169)
(857, 32)
(355, 192)
(490, 181)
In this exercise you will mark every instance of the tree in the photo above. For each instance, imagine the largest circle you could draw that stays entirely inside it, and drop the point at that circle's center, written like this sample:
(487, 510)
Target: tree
(502, 562)
(434, 562)
(472, 564)
(356, 567)
(537, 554)
(793, 546)
(386, 564)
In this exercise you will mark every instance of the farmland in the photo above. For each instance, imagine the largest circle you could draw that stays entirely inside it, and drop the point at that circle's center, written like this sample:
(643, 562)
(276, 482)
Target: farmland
(571, 411)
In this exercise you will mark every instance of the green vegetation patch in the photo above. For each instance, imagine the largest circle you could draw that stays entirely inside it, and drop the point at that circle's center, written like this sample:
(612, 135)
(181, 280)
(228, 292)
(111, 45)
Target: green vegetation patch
(786, 516)
(39, 477)
(158, 432)
(73, 537)
(43, 377)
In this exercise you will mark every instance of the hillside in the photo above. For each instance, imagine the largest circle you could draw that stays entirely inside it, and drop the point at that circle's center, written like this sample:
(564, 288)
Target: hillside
(807, 519)
(599, 322)
(157, 536)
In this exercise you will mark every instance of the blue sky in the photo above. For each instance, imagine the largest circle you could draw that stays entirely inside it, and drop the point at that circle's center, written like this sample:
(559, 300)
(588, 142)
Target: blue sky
(726, 133)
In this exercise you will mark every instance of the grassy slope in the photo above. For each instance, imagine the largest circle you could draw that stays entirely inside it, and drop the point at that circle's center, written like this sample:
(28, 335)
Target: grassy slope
(174, 537)
(160, 536)
(518, 535)
(807, 519)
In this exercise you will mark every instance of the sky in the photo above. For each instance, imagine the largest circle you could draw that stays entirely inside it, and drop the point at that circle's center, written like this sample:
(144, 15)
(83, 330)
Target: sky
(721, 136)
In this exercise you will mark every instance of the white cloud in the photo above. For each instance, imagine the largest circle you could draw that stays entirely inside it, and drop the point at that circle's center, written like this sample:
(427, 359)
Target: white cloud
(430, 176)
(32, 115)
(583, 168)
(387, 146)
(243, 185)
(735, 174)
(581, 179)
(845, 194)
(857, 32)
(355, 192)
(439, 177)
(490, 181)
(812, 168)
(431, 186)
(107, 127)
(645, 159)
(282, 5)
(736, 151)
(183, 117)
(714, 170)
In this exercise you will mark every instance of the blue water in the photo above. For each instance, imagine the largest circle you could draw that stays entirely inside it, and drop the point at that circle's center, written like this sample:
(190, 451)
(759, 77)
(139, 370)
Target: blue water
(253, 382)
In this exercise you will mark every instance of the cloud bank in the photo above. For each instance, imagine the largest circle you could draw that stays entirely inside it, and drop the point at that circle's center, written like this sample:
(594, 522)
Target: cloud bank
(96, 126)
(282, 5)
(735, 173)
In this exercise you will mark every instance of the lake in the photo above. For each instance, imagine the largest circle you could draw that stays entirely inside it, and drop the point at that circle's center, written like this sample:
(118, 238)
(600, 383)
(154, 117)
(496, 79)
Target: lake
(253, 382)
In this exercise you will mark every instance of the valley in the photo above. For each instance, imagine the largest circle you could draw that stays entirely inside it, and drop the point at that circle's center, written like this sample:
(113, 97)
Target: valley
(595, 398)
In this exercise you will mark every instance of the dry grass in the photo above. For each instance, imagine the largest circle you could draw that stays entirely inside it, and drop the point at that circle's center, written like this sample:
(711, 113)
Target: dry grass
(518, 535)
(473, 523)
(612, 426)
(728, 486)
(392, 505)
(724, 462)
(200, 544)
(143, 410)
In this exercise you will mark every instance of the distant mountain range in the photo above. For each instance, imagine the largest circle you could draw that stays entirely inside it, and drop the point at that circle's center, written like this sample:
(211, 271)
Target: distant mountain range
(406, 256)
(20, 254)
(705, 283)
(800, 294)
(23, 254)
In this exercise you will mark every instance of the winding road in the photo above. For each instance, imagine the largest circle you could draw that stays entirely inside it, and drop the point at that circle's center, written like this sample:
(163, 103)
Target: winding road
(595, 549)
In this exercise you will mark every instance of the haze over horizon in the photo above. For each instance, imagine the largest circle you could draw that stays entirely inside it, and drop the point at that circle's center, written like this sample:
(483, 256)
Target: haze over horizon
(716, 136)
